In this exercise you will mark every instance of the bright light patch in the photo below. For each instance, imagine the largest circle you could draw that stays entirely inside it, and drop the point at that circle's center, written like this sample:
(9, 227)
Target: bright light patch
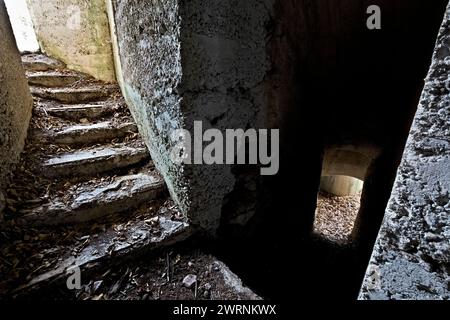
(22, 25)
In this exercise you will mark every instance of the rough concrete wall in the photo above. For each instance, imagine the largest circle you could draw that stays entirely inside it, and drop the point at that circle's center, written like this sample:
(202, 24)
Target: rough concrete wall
(193, 60)
(77, 32)
(15, 101)
(411, 258)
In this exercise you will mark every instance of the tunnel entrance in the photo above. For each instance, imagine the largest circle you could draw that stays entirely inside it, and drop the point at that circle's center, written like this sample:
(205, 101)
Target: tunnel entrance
(22, 25)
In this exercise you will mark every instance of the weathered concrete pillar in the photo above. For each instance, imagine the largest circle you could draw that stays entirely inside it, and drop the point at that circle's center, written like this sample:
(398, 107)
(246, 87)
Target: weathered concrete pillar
(76, 32)
(186, 61)
(15, 102)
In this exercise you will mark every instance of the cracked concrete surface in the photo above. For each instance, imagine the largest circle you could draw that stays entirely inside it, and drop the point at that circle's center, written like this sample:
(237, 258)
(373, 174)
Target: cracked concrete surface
(411, 258)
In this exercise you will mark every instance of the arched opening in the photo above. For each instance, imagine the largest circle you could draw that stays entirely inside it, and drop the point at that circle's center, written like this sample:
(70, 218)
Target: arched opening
(344, 170)
(22, 25)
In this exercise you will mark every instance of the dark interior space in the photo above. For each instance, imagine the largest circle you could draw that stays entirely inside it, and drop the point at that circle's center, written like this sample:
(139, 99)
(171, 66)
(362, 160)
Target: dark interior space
(334, 82)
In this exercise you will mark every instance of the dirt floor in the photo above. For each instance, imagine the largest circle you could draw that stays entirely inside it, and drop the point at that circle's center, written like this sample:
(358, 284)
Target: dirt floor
(163, 278)
(335, 216)
(171, 274)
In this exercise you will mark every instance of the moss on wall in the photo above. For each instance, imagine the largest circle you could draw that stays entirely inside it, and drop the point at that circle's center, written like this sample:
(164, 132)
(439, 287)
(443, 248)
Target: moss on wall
(76, 32)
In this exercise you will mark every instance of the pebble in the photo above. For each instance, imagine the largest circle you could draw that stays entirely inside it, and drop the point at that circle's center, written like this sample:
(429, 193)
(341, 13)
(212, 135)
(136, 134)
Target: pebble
(207, 286)
(189, 281)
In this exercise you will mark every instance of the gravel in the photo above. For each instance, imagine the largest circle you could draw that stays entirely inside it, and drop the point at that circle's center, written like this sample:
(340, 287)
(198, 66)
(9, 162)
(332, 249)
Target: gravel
(335, 216)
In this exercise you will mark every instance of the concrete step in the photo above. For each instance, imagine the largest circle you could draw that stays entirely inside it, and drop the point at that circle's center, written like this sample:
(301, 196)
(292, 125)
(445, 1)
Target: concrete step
(75, 95)
(91, 201)
(93, 161)
(40, 62)
(91, 133)
(109, 248)
(52, 78)
(76, 112)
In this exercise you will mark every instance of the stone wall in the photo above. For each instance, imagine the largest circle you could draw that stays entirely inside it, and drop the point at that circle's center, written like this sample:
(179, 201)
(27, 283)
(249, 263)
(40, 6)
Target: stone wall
(411, 258)
(76, 32)
(15, 102)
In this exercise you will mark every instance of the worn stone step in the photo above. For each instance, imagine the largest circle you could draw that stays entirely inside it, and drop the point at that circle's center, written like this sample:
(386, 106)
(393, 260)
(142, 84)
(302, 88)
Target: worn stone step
(40, 62)
(109, 248)
(52, 78)
(93, 161)
(90, 201)
(75, 95)
(76, 112)
(91, 133)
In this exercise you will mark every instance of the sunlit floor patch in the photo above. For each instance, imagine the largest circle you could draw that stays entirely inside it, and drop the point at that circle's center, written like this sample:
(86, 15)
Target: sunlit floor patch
(335, 216)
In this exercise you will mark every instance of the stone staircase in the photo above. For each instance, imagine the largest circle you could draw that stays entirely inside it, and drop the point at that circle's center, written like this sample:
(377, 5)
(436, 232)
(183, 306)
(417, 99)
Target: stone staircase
(104, 142)
(86, 195)
(85, 174)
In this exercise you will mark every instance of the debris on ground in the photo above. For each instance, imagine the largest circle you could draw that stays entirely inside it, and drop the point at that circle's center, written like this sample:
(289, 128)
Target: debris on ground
(193, 275)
